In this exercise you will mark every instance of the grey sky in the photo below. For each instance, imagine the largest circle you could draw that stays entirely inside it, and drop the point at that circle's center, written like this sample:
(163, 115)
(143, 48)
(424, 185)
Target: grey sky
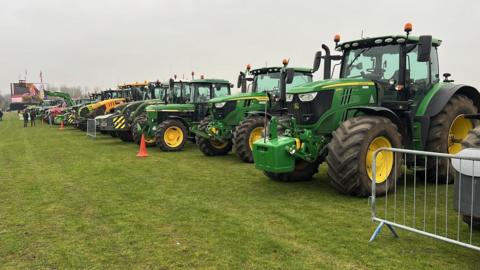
(106, 42)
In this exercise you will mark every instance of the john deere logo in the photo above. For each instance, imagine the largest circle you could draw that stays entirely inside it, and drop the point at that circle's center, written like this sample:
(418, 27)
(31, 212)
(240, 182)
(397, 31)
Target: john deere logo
(296, 106)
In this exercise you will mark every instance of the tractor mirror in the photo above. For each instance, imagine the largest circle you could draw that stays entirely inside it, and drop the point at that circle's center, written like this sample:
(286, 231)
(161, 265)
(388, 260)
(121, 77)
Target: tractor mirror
(170, 83)
(290, 74)
(424, 48)
(317, 61)
(241, 77)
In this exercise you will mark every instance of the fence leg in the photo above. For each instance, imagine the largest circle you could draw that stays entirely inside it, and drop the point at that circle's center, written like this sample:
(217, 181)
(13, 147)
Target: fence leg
(379, 229)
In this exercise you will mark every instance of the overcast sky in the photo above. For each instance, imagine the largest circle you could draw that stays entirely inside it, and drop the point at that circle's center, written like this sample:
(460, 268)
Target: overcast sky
(100, 43)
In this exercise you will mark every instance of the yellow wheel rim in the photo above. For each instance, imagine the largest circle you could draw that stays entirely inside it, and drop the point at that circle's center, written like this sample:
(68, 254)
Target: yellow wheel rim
(458, 131)
(173, 136)
(218, 145)
(256, 134)
(384, 160)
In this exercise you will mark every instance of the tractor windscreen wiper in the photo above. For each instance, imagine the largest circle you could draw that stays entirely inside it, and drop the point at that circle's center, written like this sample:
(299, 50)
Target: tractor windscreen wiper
(356, 57)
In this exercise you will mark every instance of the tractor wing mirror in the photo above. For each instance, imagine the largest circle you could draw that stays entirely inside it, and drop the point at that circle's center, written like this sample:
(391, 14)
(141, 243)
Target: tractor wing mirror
(424, 48)
(317, 61)
(170, 83)
(241, 77)
(290, 75)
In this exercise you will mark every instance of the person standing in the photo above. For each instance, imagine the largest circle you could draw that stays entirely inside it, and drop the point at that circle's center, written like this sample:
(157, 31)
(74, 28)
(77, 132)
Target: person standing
(1, 114)
(25, 118)
(33, 115)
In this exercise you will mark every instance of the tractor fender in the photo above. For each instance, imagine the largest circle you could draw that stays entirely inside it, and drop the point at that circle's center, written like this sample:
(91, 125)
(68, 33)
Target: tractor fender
(258, 113)
(438, 102)
(387, 113)
(445, 93)
(174, 117)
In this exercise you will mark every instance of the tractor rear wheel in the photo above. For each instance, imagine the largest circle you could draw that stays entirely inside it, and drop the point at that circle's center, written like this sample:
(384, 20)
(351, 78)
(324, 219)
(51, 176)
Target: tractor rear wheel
(304, 171)
(446, 134)
(137, 131)
(171, 135)
(247, 132)
(212, 147)
(350, 155)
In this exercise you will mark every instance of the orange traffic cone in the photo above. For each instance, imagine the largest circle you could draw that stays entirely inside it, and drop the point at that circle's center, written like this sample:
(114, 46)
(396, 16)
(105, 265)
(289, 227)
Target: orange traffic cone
(143, 148)
(61, 125)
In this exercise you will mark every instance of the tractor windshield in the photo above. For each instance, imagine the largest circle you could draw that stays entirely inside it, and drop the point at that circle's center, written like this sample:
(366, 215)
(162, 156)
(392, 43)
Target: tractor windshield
(160, 92)
(202, 92)
(380, 63)
(271, 81)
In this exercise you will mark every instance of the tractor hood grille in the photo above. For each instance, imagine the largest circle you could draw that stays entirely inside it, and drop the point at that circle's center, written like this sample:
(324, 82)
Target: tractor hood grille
(307, 113)
(221, 113)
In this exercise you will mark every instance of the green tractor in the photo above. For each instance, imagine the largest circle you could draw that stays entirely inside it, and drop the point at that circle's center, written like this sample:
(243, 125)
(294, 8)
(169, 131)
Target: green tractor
(169, 124)
(174, 91)
(238, 120)
(389, 94)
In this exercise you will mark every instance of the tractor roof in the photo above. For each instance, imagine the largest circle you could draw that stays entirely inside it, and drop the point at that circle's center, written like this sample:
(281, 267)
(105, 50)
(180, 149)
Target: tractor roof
(210, 81)
(277, 69)
(128, 85)
(383, 40)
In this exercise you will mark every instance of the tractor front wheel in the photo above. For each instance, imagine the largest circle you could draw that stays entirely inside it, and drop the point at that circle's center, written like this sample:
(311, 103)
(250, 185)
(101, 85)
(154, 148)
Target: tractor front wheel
(246, 133)
(447, 131)
(171, 135)
(212, 147)
(350, 155)
(137, 125)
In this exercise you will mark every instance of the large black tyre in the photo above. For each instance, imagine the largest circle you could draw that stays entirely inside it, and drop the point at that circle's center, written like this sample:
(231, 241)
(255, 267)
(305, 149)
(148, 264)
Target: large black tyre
(244, 135)
(137, 135)
(347, 157)
(304, 171)
(171, 136)
(209, 147)
(439, 136)
(125, 136)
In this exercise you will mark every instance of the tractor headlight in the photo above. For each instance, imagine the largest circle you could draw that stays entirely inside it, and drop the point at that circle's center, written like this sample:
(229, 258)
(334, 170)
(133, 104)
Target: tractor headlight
(220, 105)
(289, 97)
(307, 97)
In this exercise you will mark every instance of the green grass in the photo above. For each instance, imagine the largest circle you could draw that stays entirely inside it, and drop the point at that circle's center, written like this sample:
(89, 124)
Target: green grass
(67, 201)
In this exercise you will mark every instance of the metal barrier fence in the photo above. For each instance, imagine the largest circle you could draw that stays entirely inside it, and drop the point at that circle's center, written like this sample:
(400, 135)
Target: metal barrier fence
(419, 200)
(91, 128)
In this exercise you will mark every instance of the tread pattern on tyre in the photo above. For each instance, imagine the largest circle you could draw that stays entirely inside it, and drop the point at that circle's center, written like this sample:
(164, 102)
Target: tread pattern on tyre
(242, 134)
(205, 145)
(343, 153)
(437, 140)
(161, 130)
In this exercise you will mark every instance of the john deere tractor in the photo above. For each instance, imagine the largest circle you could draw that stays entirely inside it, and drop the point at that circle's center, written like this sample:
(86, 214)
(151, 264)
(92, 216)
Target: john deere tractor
(238, 120)
(389, 94)
(57, 113)
(174, 91)
(170, 123)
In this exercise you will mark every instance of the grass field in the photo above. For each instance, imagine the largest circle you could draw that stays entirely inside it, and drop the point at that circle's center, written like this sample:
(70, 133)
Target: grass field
(72, 202)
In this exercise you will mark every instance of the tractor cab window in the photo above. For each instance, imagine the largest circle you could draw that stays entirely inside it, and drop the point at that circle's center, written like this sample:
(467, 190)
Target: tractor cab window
(201, 92)
(379, 63)
(299, 78)
(271, 81)
(220, 90)
(186, 93)
(417, 74)
(266, 82)
(159, 93)
(176, 93)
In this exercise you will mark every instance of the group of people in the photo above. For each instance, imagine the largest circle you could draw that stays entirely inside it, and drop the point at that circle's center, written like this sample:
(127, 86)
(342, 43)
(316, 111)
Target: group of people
(29, 114)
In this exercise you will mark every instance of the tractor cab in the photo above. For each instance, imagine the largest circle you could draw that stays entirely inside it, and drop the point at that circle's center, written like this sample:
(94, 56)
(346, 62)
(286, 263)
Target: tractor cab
(203, 90)
(179, 91)
(404, 68)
